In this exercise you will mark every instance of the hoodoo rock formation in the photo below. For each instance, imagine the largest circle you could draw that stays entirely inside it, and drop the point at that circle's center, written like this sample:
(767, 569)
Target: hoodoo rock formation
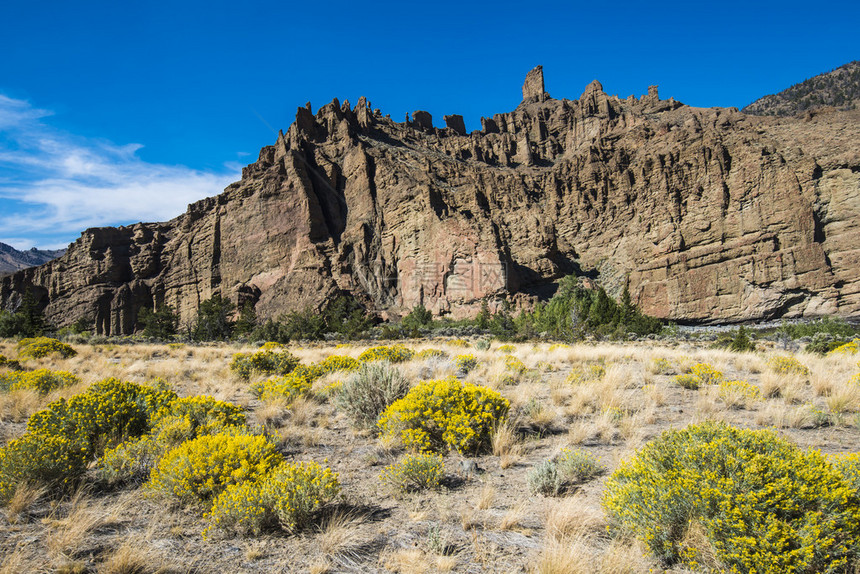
(708, 215)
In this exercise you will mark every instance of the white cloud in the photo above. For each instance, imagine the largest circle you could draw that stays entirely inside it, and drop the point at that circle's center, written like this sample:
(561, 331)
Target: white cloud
(53, 184)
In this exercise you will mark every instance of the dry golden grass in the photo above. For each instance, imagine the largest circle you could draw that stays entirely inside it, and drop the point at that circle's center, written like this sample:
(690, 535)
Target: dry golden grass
(573, 516)
(485, 500)
(68, 534)
(23, 498)
(611, 417)
(513, 518)
(128, 559)
(406, 561)
(338, 531)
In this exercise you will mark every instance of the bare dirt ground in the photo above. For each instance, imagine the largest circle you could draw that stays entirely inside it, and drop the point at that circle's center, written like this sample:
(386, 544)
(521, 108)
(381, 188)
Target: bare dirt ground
(482, 520)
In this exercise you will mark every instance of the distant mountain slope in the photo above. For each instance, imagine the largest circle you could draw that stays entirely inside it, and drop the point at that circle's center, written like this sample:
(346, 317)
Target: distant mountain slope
(12, 260)
(839, 88)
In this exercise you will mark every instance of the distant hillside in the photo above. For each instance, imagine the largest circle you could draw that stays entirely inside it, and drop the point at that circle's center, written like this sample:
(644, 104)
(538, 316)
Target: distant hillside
(839, 88)
(12, 260)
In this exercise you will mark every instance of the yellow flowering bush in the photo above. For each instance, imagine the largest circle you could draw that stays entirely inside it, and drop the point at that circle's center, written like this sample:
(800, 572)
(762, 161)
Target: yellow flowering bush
(514, 365)
(445, 413)
(700, 374)
(419, 471)
(458, 343)
(849, 348)
(270, 359)
(286, 497)
(507, 349)
(42, 380)
(661, 366)
(189, 417)
(288, 388)
(738, 394)
(848, 465)
(200, 469)
(466, 363)
(106, 414)
(38, 347)
(430, 353)
(706, 374)
(337, 363)
(54, 461)
(787, 366)
(579, 375)
(764, 505)
(392, 354)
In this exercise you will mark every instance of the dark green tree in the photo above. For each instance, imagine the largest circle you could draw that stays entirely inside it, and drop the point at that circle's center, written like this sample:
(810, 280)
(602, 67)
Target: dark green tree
(160, 324)
(418, 317)
(214, 319)
(247, 320)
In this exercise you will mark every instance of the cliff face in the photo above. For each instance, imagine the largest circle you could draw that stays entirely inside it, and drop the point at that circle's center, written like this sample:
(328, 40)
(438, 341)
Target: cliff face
(709, 215)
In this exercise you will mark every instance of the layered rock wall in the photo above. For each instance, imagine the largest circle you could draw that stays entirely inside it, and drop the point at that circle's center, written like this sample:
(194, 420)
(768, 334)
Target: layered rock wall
(708, 215)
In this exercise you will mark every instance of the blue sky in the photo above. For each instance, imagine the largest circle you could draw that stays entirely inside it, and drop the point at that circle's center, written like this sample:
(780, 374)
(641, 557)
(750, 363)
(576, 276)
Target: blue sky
(116, 112)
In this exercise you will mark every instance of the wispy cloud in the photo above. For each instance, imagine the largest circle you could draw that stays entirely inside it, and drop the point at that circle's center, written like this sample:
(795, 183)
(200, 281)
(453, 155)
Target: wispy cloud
(54, 184)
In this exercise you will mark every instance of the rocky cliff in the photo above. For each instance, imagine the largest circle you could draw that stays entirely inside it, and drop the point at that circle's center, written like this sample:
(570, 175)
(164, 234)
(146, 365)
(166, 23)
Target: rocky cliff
(709, 215)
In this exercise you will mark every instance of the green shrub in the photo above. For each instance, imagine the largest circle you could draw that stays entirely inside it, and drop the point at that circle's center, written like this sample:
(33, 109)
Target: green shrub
(286, 497)
(558, 475)
(367, 392)
(54, 461)
(483, 344)
(417, 318)
(42, 380)
(414, 472)
(270, 359)
(130, 462)
(577, 466)
(545, 479)
(763, 504)
(39, 347)
(201, 469)
(392, 354)
(445, 413)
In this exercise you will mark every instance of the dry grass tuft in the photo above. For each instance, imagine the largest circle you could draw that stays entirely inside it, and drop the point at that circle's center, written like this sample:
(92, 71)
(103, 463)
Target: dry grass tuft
(338, 531)
(406, 561)
(128, 559)
(69, 534)
(18, 405)
(514, 516)
(485, 500)
(25, 496)
(573, 517)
